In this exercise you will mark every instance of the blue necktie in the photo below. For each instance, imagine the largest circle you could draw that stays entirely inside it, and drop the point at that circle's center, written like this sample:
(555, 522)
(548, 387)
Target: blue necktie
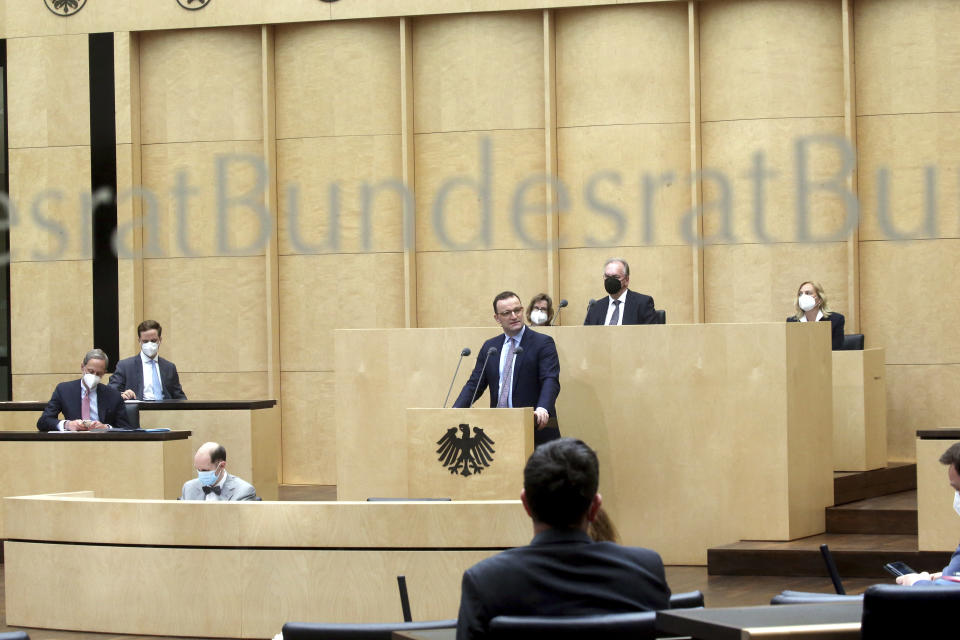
(157, 391)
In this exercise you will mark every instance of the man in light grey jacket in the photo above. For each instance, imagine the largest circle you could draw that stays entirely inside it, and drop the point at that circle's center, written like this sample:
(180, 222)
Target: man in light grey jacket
(213, 483)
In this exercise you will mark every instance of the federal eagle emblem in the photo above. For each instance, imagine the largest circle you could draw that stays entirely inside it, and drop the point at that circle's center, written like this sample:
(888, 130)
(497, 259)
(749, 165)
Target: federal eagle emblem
(188, 4)
(64, 7)
(467, 454)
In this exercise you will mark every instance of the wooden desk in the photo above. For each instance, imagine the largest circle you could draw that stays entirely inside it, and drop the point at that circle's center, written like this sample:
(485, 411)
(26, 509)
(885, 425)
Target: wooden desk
(808, 621)
(118, 465)
(250, 431)
(937, 527)
(269, 562)
(859, 410)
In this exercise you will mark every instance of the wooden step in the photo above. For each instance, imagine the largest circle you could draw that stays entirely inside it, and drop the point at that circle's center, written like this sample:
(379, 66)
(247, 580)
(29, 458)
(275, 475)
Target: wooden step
(850, 486)
(857, 556)
(895, 513)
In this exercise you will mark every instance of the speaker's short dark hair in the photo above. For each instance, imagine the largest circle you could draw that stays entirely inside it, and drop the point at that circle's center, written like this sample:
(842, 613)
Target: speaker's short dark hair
(952, 456)
(503, 295)
(560, 481)
(146, 325)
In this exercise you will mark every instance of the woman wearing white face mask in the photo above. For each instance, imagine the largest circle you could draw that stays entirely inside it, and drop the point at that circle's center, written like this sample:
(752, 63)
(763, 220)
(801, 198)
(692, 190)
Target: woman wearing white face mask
(811, 306)
(540, 310)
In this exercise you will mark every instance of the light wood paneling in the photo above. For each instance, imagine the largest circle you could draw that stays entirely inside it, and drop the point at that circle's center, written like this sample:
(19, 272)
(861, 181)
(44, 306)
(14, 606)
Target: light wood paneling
(766, 290)
(661, 272)
(353, 171)
(48, 92)
(907, 146)
(338, 79)
(626, 64)
(190, 226)
(212, 309)
(40, 293)
(478, 72)
(918, 279)
(200, 85)
(731, 149)
(324, 292)
(456, 289)
(473, 169)
(309, 432)
(936, 529)
(638, 170)
(756, 63)
(40, 386)
(859, 410)
(48, 187)
(905, 53)
(919, 397)
(245, 385)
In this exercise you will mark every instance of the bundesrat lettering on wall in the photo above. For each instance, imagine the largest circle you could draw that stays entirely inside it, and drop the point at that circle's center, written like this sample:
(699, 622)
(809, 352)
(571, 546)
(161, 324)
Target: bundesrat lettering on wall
(248, 208)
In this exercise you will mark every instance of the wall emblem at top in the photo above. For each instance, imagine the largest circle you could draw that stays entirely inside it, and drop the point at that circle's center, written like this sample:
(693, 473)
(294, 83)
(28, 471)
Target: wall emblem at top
(193, 5)
(64, 7)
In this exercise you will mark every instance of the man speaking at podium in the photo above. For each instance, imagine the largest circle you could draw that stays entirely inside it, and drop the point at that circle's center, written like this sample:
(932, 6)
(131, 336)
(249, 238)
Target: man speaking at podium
(521, 367)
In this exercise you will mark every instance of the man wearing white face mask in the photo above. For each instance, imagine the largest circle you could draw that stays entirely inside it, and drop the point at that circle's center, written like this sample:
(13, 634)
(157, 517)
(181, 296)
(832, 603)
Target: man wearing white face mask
(147, 376)
(213, 483)
(811, 306)
(85, 403)
(951, 573)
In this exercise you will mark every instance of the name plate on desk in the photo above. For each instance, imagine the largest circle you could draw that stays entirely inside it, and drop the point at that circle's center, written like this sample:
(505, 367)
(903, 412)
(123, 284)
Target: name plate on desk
(467, 454)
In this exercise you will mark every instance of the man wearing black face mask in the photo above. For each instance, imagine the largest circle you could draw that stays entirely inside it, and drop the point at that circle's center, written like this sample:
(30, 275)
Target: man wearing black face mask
(622, 306)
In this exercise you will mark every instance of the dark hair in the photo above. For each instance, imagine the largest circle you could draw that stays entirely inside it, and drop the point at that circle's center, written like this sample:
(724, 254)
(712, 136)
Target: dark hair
(504, 295)
(952, 456)
(560, 481)
(146, 325)
(217, 454)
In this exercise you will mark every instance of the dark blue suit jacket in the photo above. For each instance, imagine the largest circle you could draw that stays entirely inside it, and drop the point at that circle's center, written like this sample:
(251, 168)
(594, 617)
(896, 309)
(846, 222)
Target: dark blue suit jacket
(66, 400)
(129, 375)
(536, 377)
(637, 309)
(836, 328)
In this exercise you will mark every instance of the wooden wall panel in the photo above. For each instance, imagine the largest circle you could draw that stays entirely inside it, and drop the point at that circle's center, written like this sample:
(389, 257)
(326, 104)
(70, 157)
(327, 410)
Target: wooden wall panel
(478, 72)
(309, 435)
(758, 283)
(625, 64)
(662, 272)
(770, 59)
(224, 385)
(48, 92)
(201, 85)
(338, 79)
(906, 51)
(919, 396)
(349, 169)
(473, 168)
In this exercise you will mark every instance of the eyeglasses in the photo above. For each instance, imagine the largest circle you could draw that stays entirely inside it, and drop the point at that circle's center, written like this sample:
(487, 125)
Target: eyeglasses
(517, 311)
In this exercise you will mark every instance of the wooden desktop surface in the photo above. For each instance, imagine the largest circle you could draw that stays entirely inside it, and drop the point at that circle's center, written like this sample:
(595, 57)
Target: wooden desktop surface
(810, 621)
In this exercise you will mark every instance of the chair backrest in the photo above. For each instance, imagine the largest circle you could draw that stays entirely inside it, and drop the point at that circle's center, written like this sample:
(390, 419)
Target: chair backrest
(808, 597)
(14, 635)
(891, 611)
(133, 414)
(373, 631)
(638, 625)
(687, 600)
(661, 316)
(853, 342)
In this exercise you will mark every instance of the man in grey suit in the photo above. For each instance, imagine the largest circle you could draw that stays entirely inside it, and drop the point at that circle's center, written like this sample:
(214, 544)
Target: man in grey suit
(213, 483)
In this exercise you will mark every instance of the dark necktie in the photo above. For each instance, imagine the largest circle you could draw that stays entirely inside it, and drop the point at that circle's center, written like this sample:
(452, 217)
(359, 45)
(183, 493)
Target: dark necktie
(615, 318)
(215, 489)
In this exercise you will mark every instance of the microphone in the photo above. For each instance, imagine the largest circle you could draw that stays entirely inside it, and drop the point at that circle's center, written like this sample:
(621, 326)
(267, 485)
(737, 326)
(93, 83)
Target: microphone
(463, 352)
(556, 314)
(589, 306)
(490, 352)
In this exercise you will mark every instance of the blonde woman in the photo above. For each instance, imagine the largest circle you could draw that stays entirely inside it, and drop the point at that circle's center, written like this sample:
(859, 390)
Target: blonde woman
(811, 306)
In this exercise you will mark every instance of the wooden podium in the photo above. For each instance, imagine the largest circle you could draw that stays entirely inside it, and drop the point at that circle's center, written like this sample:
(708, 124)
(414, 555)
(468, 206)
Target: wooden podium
(859, 410)
(485, 463)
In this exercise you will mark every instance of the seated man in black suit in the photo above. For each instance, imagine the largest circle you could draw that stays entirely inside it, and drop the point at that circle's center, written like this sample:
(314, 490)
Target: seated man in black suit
(622, 306)
(147, 376)
(85, 403)
(526, 360)
(562, 572)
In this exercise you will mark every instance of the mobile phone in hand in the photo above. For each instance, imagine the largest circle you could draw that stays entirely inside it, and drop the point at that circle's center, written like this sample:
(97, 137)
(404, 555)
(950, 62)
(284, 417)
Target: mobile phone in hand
(898, 568)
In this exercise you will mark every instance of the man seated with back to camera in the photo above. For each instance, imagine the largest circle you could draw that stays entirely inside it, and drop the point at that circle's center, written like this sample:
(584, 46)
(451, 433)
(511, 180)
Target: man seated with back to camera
(562, 572)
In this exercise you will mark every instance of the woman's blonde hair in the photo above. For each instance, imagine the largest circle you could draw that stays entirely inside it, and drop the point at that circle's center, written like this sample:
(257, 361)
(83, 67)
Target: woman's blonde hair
(824, 307)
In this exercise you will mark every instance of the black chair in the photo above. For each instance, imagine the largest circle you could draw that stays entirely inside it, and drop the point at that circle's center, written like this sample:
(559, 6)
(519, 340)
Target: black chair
(638, 625)
(687, 600)
(133, 414)
(891, 611)
(374, 631)
(661, 316)
(14, 635)
(853, 342)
